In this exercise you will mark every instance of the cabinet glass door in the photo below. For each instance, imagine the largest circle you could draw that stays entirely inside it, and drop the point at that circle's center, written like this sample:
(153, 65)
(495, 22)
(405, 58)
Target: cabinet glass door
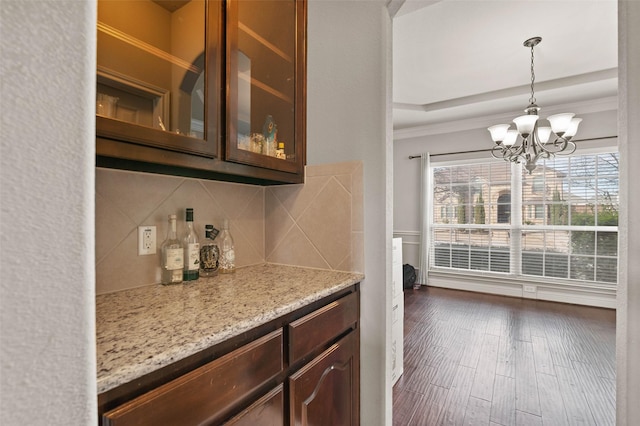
(266, 60)
(158, 82)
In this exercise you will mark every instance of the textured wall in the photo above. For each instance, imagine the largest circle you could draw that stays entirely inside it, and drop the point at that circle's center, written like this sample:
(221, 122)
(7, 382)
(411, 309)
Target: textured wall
(47, 333)
(628, 314)
(348, 119)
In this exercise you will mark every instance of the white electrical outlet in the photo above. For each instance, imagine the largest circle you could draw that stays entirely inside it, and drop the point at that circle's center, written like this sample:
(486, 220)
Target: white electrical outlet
(146, 240)
(530, 288)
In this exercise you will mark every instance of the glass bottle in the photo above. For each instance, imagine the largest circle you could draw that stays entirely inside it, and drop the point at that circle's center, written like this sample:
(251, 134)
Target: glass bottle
(172, 255)
(191, 250)
(209, 253)
(227, 251)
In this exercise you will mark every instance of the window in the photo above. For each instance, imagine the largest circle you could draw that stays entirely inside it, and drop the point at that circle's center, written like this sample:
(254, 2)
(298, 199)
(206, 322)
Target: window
(563, 224)
(538, 184)
(504, 208)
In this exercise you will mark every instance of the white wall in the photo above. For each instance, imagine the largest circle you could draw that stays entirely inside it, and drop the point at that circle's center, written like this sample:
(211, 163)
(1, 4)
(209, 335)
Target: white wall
(348, 99)
(628, 314)
(47, 347)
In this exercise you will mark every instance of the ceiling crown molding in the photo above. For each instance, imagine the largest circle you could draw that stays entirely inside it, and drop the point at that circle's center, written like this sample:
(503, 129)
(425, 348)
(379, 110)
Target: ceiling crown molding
(478, 122)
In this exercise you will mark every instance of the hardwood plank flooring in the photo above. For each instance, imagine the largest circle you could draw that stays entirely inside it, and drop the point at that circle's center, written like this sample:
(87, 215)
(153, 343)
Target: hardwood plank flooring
(478, 359)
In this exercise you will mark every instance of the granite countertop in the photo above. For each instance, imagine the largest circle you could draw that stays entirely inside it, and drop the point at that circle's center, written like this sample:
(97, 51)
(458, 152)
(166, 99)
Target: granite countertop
(146, 328)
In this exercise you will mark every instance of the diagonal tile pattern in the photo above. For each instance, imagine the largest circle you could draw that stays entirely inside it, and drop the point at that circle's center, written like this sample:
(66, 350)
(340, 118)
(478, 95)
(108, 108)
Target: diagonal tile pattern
(318, 224)
(317, 219)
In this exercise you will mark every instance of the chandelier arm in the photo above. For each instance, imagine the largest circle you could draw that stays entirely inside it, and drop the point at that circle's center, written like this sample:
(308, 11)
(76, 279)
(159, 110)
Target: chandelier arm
(559, 144)
(519, 150)
(543, 146)
(495, 149)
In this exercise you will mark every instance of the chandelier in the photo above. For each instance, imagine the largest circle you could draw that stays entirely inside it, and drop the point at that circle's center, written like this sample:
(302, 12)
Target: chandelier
(534, 138)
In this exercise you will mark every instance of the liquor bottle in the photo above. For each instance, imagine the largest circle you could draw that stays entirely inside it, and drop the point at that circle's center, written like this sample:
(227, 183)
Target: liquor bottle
(280, 151)
(209, 253)
(191, 250)
(172, 255)
(227, 251)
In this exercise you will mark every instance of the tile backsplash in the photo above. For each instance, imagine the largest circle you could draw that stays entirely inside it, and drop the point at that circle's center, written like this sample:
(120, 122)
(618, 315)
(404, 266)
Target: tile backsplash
(317, 224)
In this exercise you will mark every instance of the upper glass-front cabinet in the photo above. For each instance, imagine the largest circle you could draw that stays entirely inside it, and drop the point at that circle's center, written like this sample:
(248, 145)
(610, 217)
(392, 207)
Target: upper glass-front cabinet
(159, 73)
(265, 78)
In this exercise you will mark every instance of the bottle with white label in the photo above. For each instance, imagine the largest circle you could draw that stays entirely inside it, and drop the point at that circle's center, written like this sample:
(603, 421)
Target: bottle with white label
(191, 250)
(227, 264)
(172, 255)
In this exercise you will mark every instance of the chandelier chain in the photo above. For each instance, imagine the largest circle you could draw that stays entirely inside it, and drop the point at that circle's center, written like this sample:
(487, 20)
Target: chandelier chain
(532, 99)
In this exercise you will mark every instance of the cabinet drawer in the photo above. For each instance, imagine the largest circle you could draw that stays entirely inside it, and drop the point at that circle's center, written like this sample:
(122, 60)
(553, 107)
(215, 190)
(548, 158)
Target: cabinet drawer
(322, 326)
(207, 393)
(267, 411)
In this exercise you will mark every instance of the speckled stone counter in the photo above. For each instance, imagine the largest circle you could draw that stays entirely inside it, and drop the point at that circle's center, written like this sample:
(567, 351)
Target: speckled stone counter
(143, 329)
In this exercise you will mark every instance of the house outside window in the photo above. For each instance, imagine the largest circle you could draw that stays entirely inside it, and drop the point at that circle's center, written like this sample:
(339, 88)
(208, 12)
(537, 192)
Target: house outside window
(563, 224)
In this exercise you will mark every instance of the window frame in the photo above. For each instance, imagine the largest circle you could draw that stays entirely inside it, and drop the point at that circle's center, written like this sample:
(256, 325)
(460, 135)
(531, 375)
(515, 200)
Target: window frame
(518, 227)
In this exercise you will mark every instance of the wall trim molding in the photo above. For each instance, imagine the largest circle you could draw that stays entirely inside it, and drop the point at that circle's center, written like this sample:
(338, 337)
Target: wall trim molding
(409, 238)
(407, 233)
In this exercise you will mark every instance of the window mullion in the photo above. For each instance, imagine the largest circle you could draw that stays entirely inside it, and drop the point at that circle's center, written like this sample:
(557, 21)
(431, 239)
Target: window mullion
(516, 219)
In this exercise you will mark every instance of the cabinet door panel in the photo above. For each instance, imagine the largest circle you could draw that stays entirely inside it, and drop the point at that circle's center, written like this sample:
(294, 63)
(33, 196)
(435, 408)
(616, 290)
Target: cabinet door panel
(326, 391)
(208, 393)
(159, 70)
(266, 75)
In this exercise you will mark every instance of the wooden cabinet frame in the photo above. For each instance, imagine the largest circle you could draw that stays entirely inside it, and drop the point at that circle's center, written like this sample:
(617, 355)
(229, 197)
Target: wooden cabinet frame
(127, 146)
(232, 152)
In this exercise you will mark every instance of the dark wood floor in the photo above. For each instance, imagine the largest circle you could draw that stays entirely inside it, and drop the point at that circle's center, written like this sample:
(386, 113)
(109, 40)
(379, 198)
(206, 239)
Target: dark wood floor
(476, 359)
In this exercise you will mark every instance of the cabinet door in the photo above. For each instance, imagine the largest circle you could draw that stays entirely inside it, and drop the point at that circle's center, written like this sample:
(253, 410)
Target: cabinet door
(159, 66)
(266, 80)
(326, 391)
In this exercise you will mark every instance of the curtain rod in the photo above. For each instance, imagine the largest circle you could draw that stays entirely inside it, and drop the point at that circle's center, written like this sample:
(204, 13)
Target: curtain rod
(411, 157)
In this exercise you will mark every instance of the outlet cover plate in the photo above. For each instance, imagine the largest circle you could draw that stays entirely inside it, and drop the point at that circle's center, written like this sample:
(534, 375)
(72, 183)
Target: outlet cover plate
(146, 240)
(530, 288)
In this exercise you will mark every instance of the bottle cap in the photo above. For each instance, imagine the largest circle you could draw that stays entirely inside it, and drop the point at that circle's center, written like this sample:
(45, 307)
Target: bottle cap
(211, 232)
(189, 215)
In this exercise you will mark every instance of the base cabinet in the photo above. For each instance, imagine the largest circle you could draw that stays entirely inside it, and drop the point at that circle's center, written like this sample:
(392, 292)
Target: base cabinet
(325, 391)
(304, 371)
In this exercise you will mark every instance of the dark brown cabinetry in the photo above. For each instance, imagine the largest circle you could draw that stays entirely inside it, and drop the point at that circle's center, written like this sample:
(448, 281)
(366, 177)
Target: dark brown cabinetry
(203, 88)
(300, 369)
(325, 391)
(267, 411)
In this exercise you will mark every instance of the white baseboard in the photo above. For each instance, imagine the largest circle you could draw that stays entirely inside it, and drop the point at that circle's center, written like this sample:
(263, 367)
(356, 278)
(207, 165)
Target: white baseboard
(575, 294)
